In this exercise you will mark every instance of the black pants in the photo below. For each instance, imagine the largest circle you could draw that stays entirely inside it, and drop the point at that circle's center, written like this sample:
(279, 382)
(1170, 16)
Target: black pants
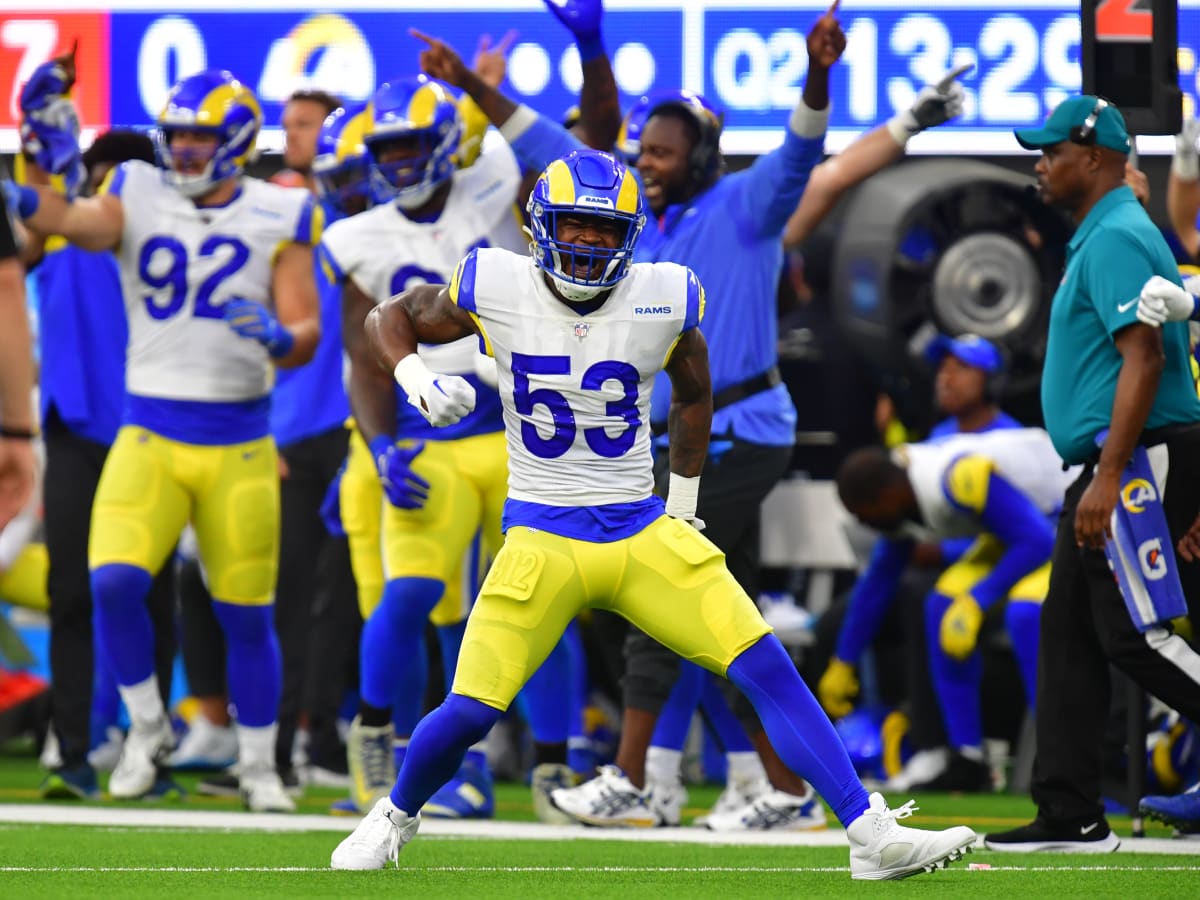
(315, 587)
(731, 492)
(73, 466)
(1084, 627)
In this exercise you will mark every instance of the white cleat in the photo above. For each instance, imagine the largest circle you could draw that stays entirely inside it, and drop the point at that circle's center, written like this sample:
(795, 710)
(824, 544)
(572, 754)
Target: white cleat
(772, 811)
(882, 849)
(378, 838)
(925, 765)
(262, 790)
(146, 748)
(666, 800)
(609, 800)
(206, 746)
(105, 755)
(546, 778)
(738, 794)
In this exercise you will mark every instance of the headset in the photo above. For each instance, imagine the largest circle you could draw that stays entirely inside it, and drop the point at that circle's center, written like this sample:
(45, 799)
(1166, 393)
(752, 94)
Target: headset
(1086, 133)
(705, 157)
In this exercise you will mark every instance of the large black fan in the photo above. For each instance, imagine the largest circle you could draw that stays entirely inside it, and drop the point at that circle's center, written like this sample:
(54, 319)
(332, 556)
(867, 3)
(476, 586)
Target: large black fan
(953, 246)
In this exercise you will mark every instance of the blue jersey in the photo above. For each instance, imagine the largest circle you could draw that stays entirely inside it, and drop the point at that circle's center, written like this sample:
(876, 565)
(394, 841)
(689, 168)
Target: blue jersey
(82, 340)
(730, 237)
(311, 399)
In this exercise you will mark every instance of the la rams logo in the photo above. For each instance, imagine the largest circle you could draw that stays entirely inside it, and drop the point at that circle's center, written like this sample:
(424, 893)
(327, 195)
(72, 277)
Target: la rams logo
(1137, 495)
(324, 50)
(1152, 559)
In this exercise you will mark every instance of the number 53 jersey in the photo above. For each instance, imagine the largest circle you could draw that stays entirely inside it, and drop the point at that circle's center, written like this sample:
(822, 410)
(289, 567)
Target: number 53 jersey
(179, 263)
(575, 386)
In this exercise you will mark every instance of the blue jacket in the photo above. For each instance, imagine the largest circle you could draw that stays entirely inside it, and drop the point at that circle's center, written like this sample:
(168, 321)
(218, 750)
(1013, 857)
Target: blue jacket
(82, 340)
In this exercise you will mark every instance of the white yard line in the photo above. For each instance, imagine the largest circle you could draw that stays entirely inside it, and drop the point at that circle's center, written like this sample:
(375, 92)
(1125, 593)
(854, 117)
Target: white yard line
(202, 820)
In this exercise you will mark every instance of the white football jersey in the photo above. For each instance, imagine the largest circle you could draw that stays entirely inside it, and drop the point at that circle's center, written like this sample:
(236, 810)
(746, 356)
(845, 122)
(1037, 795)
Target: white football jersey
(179, 263)
(385, 252)
(576, 388)
(1023, 456)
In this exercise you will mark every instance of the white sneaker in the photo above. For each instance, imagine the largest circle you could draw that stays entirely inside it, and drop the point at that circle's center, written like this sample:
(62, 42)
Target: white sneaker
(922, 766)
(262, 790)
(146, 748)
(666, 800)
(738, 794)
(882, 849)
(773, 811)
(546, 778)
(608, 800)
(206, 746)
(377, 839)
(51, 755)
(105, 756)
(371, 762)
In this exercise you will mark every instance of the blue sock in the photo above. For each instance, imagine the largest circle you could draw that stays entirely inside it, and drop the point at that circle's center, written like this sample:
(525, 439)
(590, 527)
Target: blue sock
(721, 719)
(799, 730)
(545, 699)
(255, 671)
(438, 747)
(675, 719)
(1023, 619)
(106, 701)
(123, 624)
(450, 638)
(579, 745)
(408, 705)
(955, 683)
(392, 659)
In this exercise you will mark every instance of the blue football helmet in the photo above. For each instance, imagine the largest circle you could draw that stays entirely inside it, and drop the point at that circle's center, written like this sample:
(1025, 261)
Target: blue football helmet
(340, 166)
(629, 138)
(213, 102)
(422, 114)
(584, 183)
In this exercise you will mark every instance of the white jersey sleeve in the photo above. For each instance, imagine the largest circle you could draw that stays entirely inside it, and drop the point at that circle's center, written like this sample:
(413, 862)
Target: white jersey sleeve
(576, 387)
(1024, 456)
(180, 263)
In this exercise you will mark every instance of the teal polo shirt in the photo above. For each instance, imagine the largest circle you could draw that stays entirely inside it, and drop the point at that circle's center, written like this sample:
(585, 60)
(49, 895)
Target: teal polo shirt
(1113, 253)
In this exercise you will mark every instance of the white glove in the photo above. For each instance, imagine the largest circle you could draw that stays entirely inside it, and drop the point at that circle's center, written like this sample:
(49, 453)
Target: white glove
(1186, 163)
(682, 496)
(1164, 301)
(441, 399)
(935, 105)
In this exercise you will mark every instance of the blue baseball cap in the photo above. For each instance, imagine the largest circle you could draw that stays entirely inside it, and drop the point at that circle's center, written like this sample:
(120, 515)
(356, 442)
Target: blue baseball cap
(1108, 126)
(970, 349)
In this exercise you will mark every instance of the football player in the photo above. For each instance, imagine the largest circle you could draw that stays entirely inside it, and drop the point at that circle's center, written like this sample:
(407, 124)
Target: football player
(1002, 488)
(440, 486)
(218, 282)
(579, 337)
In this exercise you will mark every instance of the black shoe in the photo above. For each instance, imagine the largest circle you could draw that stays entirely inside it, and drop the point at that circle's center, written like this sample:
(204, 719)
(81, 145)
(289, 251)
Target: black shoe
(226, 784)
(962, 775)
(1081, 836)
(71, 783)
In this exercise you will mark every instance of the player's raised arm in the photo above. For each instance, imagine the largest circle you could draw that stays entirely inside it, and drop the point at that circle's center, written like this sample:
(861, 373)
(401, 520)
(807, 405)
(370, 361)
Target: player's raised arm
(93, 223)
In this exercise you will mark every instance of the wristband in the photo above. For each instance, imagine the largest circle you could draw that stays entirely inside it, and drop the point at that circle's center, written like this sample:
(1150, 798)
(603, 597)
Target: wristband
(682, 496)
(28, 200)
(809, 123)
(380, 445)
(590, 47)
(412, 374)
(16, 434)
(281, 343)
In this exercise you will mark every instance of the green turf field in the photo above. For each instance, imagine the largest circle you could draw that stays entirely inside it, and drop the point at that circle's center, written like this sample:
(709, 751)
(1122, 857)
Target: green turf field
(181, 860)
